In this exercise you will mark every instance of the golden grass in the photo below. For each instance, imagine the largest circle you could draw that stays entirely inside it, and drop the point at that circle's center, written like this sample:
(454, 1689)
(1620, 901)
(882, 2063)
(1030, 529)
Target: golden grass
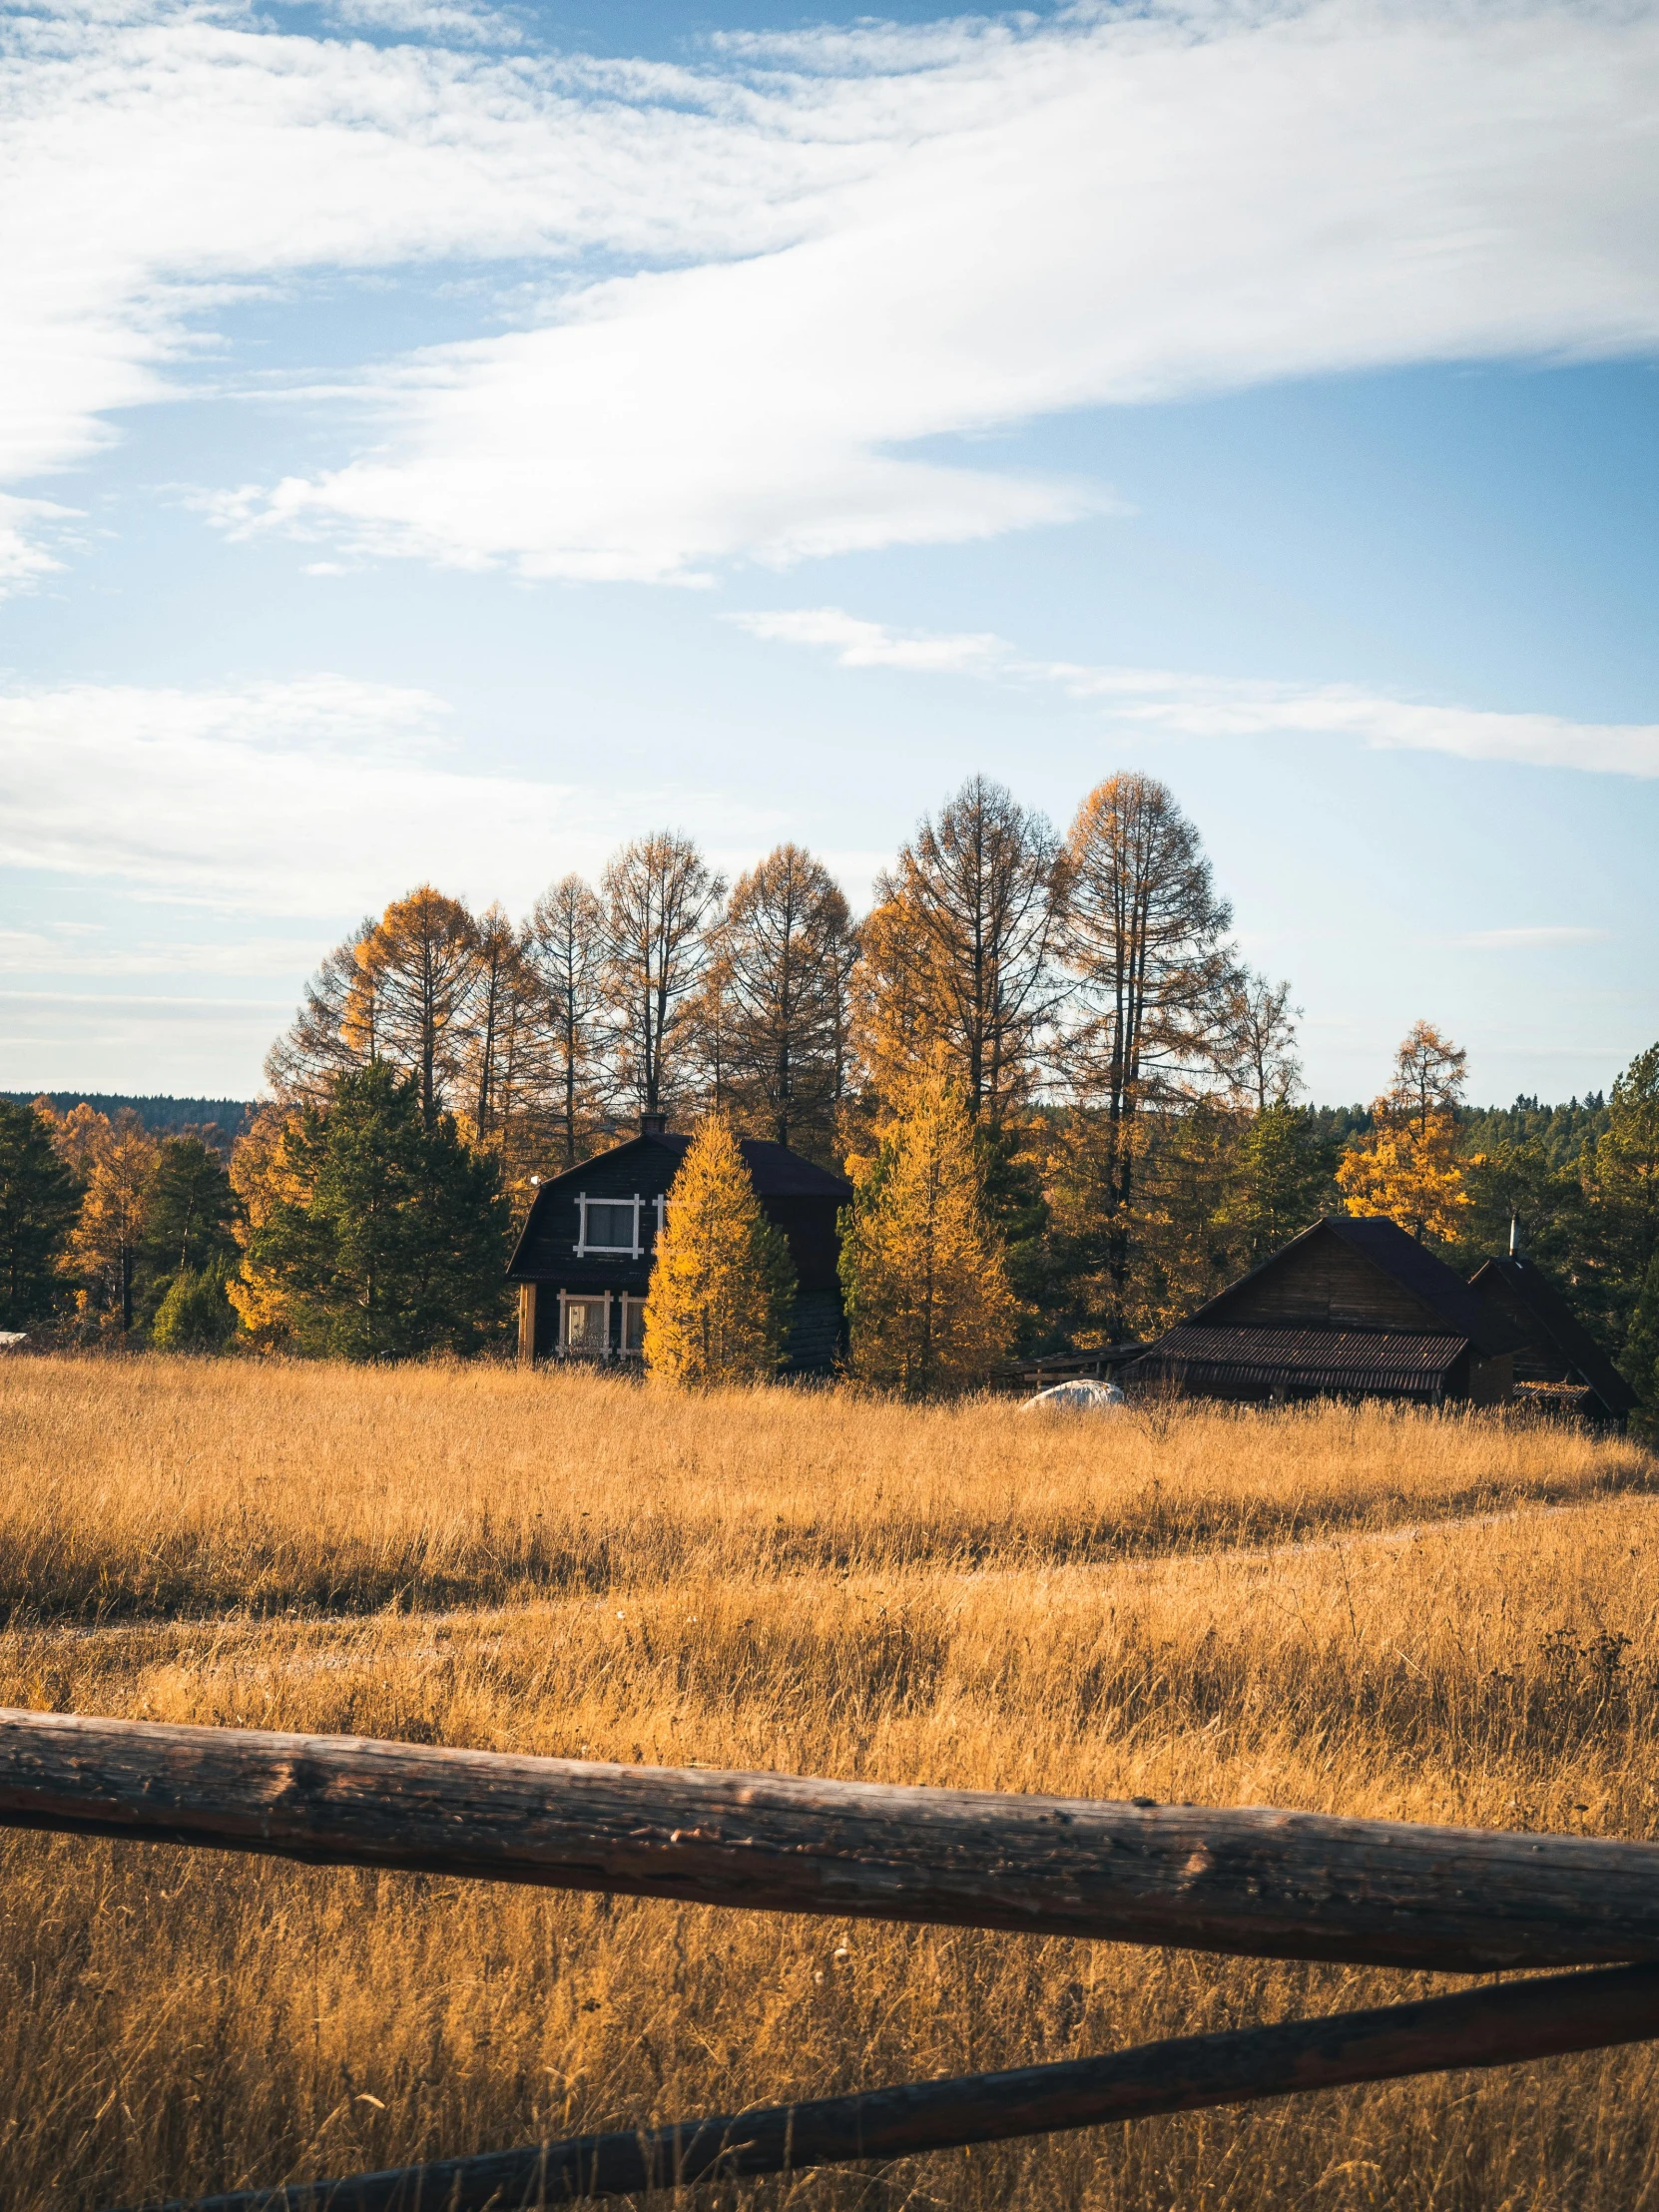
(170, 2021)
(157, 1488)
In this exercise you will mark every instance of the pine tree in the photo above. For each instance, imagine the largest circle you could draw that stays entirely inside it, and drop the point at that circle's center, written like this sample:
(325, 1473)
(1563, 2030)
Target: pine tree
(187, 1230)
(926, 1289)
(722, 1284)
(397, 1245)
(39, 1200)
(1640, 1362)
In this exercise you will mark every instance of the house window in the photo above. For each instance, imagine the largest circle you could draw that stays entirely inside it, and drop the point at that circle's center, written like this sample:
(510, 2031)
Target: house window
(609, 1225)
(587, 1323)
(632, 1325)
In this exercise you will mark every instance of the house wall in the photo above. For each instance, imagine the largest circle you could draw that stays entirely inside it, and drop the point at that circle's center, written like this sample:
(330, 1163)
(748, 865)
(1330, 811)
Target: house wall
(1322, 1284)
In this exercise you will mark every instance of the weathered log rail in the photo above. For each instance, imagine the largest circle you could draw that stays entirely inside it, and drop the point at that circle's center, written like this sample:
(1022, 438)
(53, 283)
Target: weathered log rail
(1271, 1884)
(1250, 1881)
(1492, 2026)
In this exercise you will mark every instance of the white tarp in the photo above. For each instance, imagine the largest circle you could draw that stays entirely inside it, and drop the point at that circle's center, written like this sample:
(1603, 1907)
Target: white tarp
(1080, 1396)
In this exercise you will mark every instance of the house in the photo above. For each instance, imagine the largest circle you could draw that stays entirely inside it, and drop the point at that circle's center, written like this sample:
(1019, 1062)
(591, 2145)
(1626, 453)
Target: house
(583, 1260)
(1559, 1367)
(1350, 1308)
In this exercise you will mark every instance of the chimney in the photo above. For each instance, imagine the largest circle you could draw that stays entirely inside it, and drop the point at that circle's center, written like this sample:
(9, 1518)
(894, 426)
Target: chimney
(652, 1125)
(1515, 1236)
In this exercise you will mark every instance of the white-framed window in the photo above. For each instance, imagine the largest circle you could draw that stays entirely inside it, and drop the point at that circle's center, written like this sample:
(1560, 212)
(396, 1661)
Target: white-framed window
(610, 1224)
(585, 1323)
(633, 1323)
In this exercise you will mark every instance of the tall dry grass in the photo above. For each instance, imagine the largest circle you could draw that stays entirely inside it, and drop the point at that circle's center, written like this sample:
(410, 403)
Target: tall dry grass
(153, 1487)
(170, 2021)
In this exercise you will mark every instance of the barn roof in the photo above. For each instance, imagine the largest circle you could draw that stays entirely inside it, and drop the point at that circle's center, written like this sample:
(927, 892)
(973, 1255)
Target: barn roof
(1447, 1300)
(1530, 1288)
(1308, 1358)
(774, 1169)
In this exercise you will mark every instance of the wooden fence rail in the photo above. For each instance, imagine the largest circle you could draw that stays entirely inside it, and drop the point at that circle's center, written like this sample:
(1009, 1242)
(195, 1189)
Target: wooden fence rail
(1492, 2026)
(1257, 1882)
(1267, 1883)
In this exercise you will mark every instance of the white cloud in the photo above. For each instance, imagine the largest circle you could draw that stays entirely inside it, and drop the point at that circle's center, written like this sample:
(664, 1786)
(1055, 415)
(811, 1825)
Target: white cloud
(1101, 211)
(315, 797)
(816, 250)
(1547, 940)
(1219, 706)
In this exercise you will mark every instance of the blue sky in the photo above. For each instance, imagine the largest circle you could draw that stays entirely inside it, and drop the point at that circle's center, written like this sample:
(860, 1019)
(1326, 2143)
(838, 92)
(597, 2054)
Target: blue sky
(442, 441)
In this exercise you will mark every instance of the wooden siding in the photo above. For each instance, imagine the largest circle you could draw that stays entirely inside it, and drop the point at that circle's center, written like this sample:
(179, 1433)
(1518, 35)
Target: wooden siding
(1322, 1283)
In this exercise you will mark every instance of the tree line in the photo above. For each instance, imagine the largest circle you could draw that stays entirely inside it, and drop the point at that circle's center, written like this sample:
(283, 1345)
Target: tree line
(1128, 1092)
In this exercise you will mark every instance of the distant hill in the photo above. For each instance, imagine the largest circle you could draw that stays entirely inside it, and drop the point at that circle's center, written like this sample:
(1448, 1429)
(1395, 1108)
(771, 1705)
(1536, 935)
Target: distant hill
(226, 1116)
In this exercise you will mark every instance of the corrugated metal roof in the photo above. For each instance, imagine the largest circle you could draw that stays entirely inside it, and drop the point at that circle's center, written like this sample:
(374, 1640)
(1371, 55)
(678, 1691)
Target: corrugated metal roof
(1307, 1359)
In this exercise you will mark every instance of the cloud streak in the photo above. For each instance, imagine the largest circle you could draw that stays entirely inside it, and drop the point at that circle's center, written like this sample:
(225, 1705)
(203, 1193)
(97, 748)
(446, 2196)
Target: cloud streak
(321, 797)
(766, 281)
(1218, 707)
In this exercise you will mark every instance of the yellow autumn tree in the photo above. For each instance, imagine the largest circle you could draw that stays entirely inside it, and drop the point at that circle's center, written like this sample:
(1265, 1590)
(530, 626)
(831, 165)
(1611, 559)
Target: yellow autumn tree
(114, 1162)
(722, 1290)
(1406, 1167)
(927, 1290)
(262, 1178)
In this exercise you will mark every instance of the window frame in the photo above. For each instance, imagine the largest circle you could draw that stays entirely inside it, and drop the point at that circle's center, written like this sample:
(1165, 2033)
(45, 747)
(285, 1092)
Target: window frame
(585, 1247)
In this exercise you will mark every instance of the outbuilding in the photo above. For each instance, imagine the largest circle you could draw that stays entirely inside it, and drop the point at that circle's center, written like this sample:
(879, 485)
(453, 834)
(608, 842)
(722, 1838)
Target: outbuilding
(1559, 1367)
(1350, 1308)
(583, 1260)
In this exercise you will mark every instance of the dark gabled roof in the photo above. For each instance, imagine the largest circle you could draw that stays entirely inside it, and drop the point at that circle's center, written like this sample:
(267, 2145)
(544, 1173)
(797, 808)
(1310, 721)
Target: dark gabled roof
(774, 1169)
(1559, 1326)
(1445, 1298)
(1308, 1358)
(779, 1175)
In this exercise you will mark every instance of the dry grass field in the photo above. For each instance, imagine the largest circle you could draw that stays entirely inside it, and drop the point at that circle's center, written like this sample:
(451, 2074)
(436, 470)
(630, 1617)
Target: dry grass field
(1365, 1612)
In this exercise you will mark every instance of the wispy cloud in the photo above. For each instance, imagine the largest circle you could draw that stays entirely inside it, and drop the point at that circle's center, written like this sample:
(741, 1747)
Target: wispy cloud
(769, 276)
(1221, 707)
(1547, 940)
(316, 797)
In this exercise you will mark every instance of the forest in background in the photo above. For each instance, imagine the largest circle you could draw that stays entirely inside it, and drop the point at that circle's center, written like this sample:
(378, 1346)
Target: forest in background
(1130, 1091)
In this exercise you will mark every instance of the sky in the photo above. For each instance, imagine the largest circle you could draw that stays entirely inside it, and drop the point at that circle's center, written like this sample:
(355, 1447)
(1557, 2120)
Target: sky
(442, 440)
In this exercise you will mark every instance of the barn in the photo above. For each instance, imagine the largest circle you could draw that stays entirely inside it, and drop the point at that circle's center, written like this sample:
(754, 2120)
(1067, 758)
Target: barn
(583, 1260)
(1350, 1308)
(1559, 1367)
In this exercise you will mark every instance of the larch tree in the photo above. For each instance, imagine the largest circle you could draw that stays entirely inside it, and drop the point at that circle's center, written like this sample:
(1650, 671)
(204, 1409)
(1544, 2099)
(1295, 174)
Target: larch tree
(1406, 1167)
(781, 965)
(722, 1288)
(413, 1000)
(1145, 936)
(39, 1200)
(114, 1162)
(926, 1287)
(966, 933)
(565, 951)
(1260, 1022)
(317, 1045)
(264, 1177)
(662, 904)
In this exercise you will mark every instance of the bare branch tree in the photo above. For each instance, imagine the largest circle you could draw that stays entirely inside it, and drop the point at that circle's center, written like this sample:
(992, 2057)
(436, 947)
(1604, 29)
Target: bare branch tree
(1146, 939)
(565, 946)
(966, 934)
(662, 904)
(782, 962)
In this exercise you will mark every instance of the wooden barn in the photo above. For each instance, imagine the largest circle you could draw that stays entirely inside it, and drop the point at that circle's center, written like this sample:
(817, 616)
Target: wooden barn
(582, 1261)
(1559, 1367)
(1350, 1308)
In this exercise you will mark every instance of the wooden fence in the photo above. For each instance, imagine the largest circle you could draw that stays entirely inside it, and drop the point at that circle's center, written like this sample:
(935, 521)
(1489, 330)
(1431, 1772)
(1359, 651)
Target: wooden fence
(1261, 1883)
